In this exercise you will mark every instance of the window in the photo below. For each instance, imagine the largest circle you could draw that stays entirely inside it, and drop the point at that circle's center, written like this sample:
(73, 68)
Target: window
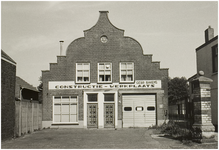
(109, 97)
(195, 86)
(104, 72)
(150, 108)
(139, 108)
(127, 72)
(215, 58)
(181, 109)
(127, 108)
(92, 97)
(82, 72)
(65, 109)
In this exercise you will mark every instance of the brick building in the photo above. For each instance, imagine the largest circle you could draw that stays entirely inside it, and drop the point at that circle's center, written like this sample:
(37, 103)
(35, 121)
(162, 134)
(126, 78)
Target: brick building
(207, 61)
(104, 80)
(24, 90)
(8, 79)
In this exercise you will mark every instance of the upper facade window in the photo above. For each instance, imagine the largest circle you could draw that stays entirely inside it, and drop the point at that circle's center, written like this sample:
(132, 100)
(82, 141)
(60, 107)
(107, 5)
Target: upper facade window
(104, 72)
(126, 72)
(215, 58)
(82, 72)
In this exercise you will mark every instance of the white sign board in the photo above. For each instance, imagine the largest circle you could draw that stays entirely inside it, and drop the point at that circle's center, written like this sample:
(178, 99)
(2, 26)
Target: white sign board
(54, 84)
(71, 85)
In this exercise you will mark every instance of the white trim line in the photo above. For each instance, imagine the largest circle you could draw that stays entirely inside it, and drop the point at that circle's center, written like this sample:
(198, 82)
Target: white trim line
(8, 61)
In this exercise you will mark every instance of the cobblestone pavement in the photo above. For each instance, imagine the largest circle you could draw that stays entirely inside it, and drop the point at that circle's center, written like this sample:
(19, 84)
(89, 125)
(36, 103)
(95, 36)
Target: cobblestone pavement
(132, 138)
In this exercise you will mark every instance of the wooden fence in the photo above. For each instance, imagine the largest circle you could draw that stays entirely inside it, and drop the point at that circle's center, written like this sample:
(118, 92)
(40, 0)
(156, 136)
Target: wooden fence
(28, 117)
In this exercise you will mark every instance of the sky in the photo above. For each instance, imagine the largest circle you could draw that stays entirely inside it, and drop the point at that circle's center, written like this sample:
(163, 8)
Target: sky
(170, 30)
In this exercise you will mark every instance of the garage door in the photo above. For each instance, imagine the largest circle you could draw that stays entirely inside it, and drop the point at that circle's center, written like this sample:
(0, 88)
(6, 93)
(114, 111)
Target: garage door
(139, 110)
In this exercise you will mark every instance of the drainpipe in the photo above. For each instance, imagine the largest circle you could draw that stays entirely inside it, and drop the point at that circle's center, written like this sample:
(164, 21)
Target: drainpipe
(20, 96)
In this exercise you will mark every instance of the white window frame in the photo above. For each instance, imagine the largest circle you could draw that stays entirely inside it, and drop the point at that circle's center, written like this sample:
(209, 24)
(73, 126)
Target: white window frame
(76, 103)
(104, 72)
(82, 73)
(120, 72)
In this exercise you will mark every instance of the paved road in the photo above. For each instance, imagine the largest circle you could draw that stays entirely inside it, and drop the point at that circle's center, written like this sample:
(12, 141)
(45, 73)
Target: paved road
(139, 138)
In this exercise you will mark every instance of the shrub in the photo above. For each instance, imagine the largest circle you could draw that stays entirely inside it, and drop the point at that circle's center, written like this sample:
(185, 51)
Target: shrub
(174, 130)
(196, 133)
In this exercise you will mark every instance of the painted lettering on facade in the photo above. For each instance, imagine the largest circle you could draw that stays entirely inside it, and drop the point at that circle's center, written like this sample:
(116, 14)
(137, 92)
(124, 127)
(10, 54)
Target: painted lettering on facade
(71, 85)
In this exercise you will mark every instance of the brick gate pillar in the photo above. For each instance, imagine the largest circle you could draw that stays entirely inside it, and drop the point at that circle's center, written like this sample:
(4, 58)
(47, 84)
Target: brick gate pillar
(201, 98)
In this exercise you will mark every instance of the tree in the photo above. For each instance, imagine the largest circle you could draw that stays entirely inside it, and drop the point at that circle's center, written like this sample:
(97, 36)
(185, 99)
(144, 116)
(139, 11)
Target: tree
(40, 86)
(178, 89)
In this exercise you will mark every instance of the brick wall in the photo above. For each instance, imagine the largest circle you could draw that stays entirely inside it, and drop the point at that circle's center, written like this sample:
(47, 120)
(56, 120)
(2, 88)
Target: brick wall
(204, 63)
(90, 49)
(8, 77)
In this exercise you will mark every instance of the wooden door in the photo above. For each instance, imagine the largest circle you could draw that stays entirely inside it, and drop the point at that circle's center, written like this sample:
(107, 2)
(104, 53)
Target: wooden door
(109, 115)
(92, 116)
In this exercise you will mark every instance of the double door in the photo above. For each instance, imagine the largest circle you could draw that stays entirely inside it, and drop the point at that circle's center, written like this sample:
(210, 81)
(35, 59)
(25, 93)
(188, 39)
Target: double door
(139, 110)
(93, 115)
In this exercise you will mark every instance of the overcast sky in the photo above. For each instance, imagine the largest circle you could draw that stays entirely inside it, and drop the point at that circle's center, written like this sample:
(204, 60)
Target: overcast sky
(171, 31)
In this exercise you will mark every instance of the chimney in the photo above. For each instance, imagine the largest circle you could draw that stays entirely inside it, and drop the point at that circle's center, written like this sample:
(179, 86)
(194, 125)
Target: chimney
(61, 44)
(209, 34)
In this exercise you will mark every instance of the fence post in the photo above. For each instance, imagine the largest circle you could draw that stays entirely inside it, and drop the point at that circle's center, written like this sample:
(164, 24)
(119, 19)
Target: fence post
(20, 119)
(32, 117)
(26, 116)
(37, 115)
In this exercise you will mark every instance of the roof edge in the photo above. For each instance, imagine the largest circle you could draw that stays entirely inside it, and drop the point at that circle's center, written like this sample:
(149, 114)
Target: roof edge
(7, 58)
(103, 12)
(203, 45)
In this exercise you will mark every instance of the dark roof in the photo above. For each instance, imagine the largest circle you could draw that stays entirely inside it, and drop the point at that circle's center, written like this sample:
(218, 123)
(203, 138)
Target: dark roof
(199, 78)
(24, 84)
(210, 41)
(193, 77)
(4, 55)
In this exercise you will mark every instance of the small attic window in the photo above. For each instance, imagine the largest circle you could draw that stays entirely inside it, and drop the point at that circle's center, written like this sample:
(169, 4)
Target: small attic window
(104, 39)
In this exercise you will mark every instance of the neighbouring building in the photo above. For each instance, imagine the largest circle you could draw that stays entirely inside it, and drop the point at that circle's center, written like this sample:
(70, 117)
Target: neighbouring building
(104, 81)
(207, 61)
(25, 91)
(8, 78)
